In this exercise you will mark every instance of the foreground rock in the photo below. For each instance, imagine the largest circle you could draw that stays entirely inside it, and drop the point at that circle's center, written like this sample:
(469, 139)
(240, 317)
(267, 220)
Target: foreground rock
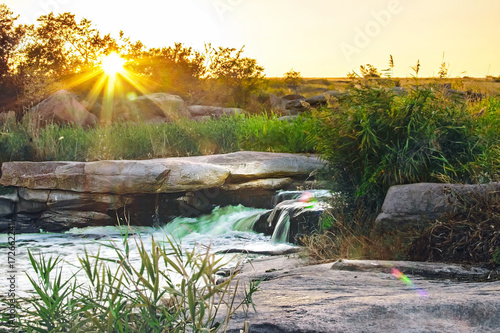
(365, 296)
(55, 196)
(416, 206)
(62, 108)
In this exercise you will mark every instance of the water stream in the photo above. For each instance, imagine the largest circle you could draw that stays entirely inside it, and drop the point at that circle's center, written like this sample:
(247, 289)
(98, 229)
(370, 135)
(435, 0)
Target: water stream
(224, 229)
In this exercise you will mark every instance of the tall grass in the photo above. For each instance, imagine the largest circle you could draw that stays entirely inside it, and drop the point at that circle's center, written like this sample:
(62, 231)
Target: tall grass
(173, 290)
(375, 139)
(27, 141)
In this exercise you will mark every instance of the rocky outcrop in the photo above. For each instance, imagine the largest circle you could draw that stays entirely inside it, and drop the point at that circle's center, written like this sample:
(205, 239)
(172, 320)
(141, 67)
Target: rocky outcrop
(416, 206)
(62, 108)
(369, 296)
(145, 192)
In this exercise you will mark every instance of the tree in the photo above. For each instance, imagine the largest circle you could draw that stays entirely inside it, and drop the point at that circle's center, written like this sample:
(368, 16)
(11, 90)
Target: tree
(239, 76)
(60, 45)
(293, 79)
(176, 69)
(10, 37)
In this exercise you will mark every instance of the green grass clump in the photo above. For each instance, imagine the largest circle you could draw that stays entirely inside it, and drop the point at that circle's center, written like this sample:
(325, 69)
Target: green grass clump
(173, 290)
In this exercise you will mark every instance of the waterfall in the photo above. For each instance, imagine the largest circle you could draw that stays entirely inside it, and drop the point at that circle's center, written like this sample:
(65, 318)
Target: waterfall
(280, 234)
(296, 213)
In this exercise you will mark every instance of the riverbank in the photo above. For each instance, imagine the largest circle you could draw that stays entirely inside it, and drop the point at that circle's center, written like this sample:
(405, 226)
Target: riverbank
(370, 296)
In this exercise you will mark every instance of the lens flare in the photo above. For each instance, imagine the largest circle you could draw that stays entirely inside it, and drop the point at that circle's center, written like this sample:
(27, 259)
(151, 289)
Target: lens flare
(403, 278)
(112, 64)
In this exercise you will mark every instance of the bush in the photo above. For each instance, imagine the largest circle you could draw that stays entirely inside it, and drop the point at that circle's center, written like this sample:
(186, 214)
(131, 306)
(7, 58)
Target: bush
(375, 139)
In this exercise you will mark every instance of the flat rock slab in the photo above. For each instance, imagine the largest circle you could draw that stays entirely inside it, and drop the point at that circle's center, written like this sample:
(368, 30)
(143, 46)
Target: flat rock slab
(168, 175)
(331, 298)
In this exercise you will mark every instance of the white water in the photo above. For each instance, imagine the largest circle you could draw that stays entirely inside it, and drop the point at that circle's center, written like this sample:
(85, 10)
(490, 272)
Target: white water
(225, 228)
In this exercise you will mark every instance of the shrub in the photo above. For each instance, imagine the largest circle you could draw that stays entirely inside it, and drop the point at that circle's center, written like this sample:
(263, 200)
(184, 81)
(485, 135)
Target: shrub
(375, 139)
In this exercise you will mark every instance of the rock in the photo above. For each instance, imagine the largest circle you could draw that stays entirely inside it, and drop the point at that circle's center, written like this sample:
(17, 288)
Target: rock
(147, 192)
(156, 108)
(260, 184)
(169, 175)
(294, 298)
(34, 195)
(203, 112)
(322, 100)
(58, 221)
(7, 207)
(295, 214)
(416, 206)
(399, 91)
(9, 193)
(24, 206)
(320, 195)
(422, 269)
(297, 106)
(116, 177)
(62, 108)
(86, 201)
(250, 165)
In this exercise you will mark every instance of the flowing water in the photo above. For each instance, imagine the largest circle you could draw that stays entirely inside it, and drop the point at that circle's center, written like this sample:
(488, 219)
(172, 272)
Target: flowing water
(225, 228)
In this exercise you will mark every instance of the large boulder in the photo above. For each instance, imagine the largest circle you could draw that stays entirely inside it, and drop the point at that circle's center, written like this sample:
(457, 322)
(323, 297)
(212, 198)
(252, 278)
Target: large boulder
(62, 108)
(157, 108)
(168, 175)
(417, 206)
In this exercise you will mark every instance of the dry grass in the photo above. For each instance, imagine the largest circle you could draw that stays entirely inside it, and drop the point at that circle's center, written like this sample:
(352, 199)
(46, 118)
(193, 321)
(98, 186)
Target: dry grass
(471, 237)
(356, 239)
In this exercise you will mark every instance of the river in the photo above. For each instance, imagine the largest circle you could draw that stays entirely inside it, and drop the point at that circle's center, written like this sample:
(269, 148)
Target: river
(226, 228)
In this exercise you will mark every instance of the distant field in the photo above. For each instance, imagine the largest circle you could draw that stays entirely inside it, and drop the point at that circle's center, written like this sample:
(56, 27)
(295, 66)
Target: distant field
(315, 86)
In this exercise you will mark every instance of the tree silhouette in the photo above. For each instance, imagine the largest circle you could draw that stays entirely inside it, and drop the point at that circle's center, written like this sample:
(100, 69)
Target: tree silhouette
(60, 45)
(10, 37)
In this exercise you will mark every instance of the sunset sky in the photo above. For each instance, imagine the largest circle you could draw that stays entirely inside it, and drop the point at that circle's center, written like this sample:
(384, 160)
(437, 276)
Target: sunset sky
(319, 38)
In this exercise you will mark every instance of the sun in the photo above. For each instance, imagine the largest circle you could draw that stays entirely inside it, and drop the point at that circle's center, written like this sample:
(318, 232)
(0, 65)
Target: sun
(112, 64)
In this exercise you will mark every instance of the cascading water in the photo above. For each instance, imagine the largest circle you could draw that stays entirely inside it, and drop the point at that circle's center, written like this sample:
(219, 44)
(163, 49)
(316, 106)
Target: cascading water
(282, 229)
(303, 207)
(226, 228)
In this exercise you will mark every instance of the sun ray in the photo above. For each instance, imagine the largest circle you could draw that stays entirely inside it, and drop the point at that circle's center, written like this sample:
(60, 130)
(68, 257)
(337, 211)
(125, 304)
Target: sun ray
(96, 90)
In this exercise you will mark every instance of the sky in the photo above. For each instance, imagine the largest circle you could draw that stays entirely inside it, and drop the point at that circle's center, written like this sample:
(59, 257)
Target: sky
(318, 38)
